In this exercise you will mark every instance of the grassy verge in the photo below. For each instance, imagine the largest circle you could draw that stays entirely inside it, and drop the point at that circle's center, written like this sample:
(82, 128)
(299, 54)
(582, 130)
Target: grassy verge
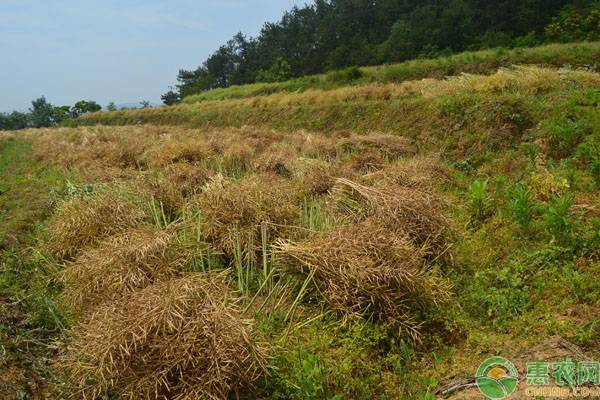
(30, 315)
(478, 62)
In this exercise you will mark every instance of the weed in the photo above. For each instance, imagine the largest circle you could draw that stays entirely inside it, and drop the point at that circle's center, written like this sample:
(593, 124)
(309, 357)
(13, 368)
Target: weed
(521, 206)
(500, 294)
(559, 219)
(480, 202)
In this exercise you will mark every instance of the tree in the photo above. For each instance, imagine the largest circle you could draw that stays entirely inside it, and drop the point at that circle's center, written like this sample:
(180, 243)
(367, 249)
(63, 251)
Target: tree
(574, 24)
(42, 113)
(14, 121)
(111, 106)
(280, 71)
(145, 104)
(61, 114)
(170, 98)
(332, 34)
(84, 107)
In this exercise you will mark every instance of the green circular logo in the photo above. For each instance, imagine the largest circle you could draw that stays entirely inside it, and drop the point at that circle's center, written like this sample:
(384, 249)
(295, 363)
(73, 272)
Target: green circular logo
(497, 378)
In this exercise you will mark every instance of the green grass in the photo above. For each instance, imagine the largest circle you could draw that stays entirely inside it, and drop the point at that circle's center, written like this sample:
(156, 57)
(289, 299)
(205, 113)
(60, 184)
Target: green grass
(484, 61)
(30, 313)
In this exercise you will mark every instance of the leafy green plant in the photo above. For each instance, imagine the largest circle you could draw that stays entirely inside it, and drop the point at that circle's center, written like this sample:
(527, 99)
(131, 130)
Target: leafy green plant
(311, 379)
(564, 136)
(558, 217)
(521, 206)
(480, 202)
(499, 294)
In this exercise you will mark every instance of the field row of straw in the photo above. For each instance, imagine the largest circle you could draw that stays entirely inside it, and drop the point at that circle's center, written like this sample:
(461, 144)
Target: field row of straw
(174, 241)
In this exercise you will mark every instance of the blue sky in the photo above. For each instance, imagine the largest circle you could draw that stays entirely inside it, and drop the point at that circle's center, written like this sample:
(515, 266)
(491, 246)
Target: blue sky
(114, 50)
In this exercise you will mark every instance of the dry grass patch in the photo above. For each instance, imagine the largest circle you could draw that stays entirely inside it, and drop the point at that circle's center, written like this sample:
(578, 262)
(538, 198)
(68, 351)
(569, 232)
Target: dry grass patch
(232, 211)
(415, 172)
(279, 159)
(316, 177)
(85, 220)
(121, 264)
(369, 270)
(172, 150)
(93, 147)
(174, 184)
(389, 147)
(400, 209)
(180, 339)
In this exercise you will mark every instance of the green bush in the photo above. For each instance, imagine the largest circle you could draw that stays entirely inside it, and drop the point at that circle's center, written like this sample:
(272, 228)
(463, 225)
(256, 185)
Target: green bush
(499, 294)
(564, 136)
(345, 75)
(559, 219)
(521, 206)
(480, 202)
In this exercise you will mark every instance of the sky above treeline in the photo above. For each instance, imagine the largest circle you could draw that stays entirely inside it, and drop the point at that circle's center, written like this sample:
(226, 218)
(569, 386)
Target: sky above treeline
(122, 51)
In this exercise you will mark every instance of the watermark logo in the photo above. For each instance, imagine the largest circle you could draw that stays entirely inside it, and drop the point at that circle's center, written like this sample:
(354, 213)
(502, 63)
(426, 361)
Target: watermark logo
(497, 378)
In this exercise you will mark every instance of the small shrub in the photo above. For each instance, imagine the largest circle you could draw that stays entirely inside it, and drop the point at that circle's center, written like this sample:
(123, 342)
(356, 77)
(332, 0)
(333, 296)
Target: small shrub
(480, 202)
(558, 217)
(521, 206)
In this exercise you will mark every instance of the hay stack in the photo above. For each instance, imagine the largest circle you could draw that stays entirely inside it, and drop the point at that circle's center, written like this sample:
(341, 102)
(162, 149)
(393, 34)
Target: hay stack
(389, 147)
(367, 269)
(83, 221)
(181, 339)
(415, 172)
(399, 209)
(232, 211)
(119, 265)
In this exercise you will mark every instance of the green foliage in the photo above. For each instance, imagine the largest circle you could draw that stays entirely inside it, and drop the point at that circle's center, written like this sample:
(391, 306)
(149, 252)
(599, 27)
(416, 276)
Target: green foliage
(521, 205)
(84, 107)
(563, 136)
(480, 202)
(111, 106)
(345, 76)
(559, 219)
(42, 113)
(13, 121)
(170, 98)
(595, 172)
(471, 62)
(575, 24)
(499, 294)
(279, 72)
(338, 34)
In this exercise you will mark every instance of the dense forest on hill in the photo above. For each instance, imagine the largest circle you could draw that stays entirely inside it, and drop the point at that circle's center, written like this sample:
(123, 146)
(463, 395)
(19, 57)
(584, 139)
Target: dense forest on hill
(333, 34)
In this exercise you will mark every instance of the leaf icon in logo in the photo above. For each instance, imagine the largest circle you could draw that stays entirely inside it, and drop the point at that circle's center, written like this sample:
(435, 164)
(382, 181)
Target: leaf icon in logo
(509, 384)
(491, 387)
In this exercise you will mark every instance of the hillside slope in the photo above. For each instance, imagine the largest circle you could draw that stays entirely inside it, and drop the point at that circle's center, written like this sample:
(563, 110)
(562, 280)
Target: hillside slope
(369, 241)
